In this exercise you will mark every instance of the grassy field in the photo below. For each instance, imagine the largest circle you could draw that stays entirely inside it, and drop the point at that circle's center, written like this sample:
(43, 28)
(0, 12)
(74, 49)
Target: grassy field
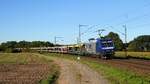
(21, 58)
(28, 62)
(144, 55)
(113, 74)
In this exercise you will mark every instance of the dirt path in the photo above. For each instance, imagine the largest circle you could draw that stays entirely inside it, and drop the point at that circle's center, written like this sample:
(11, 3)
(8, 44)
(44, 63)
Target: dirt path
(75, 73)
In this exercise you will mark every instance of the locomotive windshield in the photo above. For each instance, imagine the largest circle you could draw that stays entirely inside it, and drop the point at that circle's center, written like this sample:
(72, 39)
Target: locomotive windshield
(107, 44)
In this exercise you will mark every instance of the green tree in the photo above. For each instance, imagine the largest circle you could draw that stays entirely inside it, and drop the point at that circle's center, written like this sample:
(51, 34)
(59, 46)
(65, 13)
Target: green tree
(23, 44)
(41, 44)
(141, 43)
(116, 39)
(10, 46)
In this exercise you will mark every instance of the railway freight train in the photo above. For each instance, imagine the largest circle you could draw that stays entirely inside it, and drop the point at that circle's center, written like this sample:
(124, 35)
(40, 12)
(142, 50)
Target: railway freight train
(100, 47)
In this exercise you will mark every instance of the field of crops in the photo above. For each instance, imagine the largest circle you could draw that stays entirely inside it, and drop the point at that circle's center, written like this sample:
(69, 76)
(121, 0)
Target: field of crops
(25, 68)
(145, 55)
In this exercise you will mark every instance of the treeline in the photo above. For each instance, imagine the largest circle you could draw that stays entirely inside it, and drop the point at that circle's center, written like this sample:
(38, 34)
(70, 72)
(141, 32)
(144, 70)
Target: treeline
(10, 46)
(141, 43)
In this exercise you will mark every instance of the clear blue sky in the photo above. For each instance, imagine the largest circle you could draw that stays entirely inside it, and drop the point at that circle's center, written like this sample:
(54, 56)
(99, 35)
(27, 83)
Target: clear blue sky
(43, 19)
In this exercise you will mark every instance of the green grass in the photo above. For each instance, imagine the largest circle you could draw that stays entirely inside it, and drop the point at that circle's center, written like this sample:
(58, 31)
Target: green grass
(21, 58)
(142, 55)
(12, 58)
(113, 74)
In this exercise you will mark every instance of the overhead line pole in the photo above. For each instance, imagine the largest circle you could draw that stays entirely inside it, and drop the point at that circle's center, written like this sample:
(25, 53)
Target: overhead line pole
(55, 39)
(125, 28)
(79, 39)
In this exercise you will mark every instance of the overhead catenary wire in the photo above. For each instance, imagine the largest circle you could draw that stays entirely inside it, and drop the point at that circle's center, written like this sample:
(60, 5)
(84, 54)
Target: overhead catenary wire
(141, 25)
(127, 13)
(133, 19)
(115, 29)
(93, 26)
(121, 23)
(127, 21)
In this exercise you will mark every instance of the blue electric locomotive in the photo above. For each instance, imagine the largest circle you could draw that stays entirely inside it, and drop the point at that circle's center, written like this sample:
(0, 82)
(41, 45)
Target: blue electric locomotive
(101, 47)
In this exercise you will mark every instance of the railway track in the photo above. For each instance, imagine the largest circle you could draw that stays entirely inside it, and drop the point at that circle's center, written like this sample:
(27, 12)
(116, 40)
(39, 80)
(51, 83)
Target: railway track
(136, 65)
(139, 62)
(141, 67)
